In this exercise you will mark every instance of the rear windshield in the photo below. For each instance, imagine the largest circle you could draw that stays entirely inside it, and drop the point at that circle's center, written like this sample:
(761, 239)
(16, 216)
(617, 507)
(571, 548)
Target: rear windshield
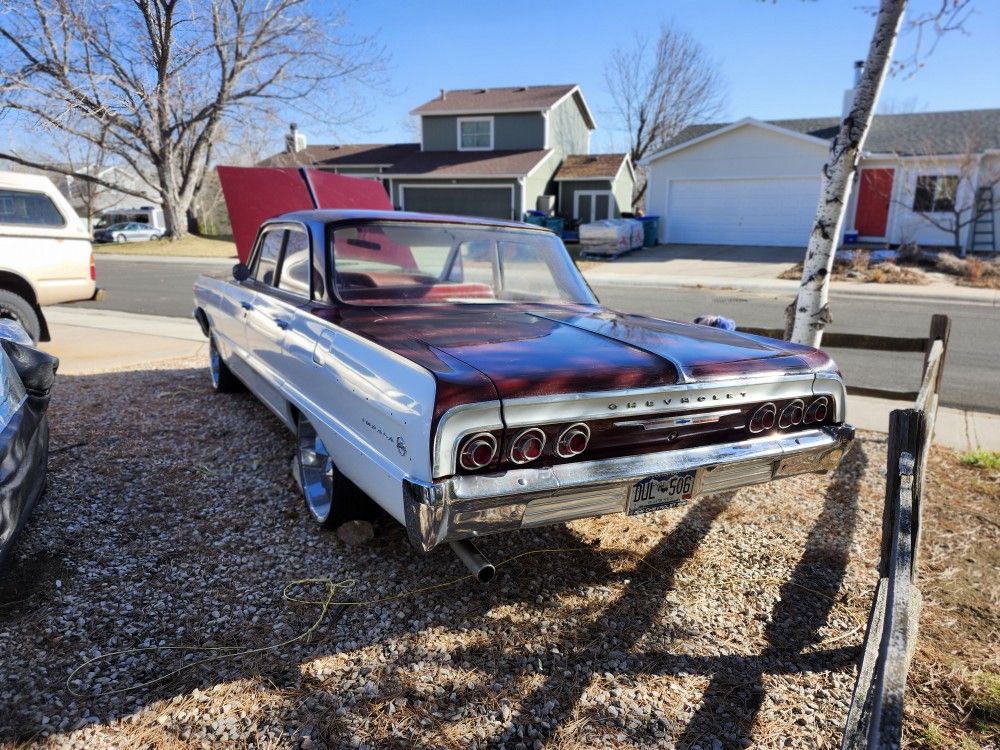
(397, 263)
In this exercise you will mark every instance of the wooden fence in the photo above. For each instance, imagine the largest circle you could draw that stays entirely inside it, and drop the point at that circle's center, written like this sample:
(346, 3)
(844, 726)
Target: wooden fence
(939, 332)
(875, 718)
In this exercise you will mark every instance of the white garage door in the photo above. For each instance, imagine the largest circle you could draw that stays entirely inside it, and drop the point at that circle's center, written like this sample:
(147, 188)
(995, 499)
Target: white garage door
(778, 211)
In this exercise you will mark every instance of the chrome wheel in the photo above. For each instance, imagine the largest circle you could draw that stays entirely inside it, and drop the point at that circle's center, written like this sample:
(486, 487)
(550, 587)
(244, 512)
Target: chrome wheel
(316, 471)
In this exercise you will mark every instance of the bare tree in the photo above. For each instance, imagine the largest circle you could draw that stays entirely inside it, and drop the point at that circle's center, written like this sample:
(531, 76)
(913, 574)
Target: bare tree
(154, 81)
(809, 313)
(659, 87)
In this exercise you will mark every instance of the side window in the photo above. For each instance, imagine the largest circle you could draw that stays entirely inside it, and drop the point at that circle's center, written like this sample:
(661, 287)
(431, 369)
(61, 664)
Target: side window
(295, 265)
(267, 258)
(33, 209)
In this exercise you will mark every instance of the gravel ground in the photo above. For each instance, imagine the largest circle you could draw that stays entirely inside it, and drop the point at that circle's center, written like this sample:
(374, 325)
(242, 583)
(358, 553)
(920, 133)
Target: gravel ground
(171, 519)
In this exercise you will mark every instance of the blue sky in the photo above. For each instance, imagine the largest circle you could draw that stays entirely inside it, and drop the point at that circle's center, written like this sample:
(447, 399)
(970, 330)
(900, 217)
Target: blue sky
(790, 58)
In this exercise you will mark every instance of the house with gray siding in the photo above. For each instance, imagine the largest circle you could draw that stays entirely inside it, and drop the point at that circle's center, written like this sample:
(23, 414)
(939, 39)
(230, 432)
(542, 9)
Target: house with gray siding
(486, 152)
(593, 187)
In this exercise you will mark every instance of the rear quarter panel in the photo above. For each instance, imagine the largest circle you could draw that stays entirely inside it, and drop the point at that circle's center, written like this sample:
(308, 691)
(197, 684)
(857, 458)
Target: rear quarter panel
(373, 408)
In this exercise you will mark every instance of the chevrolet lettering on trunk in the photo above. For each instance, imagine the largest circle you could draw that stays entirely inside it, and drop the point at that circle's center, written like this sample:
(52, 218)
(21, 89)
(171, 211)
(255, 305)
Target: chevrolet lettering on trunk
(461, 374)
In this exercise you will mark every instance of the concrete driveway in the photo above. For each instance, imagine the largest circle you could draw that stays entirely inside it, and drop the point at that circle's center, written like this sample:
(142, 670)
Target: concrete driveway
(722, 261)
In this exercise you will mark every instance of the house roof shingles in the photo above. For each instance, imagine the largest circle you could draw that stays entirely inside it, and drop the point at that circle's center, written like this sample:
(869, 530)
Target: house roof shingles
(466, 163)
(909, 134)
(583, 166)
(510, 98)
(346, 155)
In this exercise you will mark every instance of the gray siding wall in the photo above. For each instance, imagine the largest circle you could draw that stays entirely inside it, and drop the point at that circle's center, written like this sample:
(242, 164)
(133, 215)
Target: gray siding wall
(623, 189)
(568, 190)
(568, 132)
(400, 183)
(540, 183)
(511, 132)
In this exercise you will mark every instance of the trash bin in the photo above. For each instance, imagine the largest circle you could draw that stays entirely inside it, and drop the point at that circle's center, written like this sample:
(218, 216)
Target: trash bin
(555, 223)
(650, 228)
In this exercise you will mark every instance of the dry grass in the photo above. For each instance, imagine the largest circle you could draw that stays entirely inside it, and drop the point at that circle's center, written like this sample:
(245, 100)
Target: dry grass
(191, 246)
(981, 273)
(861, 270)
(954, 687)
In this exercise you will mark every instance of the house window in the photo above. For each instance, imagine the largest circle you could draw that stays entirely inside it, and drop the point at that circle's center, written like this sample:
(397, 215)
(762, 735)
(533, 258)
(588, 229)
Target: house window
(475, 134)
(935, 193)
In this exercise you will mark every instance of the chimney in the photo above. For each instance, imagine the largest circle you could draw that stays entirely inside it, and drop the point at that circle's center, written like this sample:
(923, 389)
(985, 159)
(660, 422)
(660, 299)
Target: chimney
(442, 95)
(294, 140)
(848, 102)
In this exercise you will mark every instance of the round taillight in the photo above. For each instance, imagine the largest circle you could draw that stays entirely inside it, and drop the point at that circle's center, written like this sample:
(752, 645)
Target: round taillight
(817, 410)
(479, 451)
(527, 446)
(792, 414)
(763, 418)
(573, 440)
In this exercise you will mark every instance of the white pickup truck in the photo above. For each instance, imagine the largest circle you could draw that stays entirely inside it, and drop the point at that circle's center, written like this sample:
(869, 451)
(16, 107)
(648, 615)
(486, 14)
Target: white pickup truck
(45, 252)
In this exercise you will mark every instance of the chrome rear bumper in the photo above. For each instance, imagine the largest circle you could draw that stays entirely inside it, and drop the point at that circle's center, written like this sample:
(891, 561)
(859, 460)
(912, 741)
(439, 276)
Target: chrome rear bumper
(467, 506)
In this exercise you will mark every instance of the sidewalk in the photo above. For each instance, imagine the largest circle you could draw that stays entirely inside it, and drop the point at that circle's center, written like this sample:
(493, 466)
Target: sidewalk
(94, 340)
(88, 341)
(958, 429)
(676, 268)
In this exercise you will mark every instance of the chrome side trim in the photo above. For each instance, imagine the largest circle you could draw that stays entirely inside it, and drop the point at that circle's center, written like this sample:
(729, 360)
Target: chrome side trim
(662, 424)
(473, 505)
(830, 384)
(456, 424)
(538, 410)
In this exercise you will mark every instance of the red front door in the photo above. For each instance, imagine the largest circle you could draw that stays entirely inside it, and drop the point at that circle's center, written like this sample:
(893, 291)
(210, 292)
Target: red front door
(873, 202)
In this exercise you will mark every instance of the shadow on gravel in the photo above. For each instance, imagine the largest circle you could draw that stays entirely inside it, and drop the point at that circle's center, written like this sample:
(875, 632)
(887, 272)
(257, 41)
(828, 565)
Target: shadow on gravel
(802, 610)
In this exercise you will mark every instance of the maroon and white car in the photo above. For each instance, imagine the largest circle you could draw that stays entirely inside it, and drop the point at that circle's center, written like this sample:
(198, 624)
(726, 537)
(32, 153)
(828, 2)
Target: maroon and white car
(461, 374)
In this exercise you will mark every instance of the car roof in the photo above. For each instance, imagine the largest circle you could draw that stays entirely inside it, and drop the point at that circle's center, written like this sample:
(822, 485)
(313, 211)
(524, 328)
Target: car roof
(331, 216)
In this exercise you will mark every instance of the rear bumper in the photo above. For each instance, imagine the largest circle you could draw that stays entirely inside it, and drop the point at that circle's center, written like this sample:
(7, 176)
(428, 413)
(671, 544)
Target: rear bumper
(461, 507)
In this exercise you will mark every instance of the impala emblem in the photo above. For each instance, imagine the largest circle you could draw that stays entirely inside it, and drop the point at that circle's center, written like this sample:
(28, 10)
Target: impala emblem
(401, 446)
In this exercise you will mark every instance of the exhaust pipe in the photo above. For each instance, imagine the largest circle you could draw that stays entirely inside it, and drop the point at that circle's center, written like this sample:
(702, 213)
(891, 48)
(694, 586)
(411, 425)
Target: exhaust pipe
(474, 560)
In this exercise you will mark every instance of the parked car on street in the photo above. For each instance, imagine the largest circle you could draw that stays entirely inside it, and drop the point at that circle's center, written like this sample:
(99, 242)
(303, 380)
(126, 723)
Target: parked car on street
(26, 377)
(45, 253)
(130, 232)
(461, 374)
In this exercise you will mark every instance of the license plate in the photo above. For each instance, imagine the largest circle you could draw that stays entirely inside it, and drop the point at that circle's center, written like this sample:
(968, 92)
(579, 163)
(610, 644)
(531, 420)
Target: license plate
(664, 491)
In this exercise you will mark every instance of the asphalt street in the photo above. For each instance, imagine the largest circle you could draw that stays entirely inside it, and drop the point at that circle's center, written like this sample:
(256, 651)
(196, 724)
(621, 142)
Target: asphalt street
(972, 373)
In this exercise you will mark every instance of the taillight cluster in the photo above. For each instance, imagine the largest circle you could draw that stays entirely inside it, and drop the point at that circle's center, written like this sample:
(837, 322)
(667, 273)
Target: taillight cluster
(527, 445)
(794, 413)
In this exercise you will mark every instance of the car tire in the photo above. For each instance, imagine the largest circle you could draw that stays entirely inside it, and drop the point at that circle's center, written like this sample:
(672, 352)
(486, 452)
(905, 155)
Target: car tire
(331, 498)
(15, 307)
(223, 380)
(121, 238)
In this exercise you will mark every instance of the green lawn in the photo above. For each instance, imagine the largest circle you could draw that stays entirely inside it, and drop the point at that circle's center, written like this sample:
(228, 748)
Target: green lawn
(190, 247)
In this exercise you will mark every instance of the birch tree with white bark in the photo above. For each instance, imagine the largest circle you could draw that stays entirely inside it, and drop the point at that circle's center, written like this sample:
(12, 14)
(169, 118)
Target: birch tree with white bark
(154, 82)
(809, 314)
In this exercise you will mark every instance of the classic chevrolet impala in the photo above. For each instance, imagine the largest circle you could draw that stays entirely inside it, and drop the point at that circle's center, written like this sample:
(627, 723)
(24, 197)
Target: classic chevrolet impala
(461, 373)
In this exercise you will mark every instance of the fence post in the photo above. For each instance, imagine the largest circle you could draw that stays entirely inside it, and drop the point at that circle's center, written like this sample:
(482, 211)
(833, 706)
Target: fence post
(940, 329)
(906, 433)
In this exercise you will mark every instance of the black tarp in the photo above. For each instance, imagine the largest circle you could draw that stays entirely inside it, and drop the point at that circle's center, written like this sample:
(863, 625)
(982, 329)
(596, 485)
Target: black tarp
(24, 441)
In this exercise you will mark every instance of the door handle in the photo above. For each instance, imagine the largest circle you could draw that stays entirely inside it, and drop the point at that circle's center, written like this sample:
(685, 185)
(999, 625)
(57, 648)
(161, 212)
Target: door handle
(282, 324)
(246, 305)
